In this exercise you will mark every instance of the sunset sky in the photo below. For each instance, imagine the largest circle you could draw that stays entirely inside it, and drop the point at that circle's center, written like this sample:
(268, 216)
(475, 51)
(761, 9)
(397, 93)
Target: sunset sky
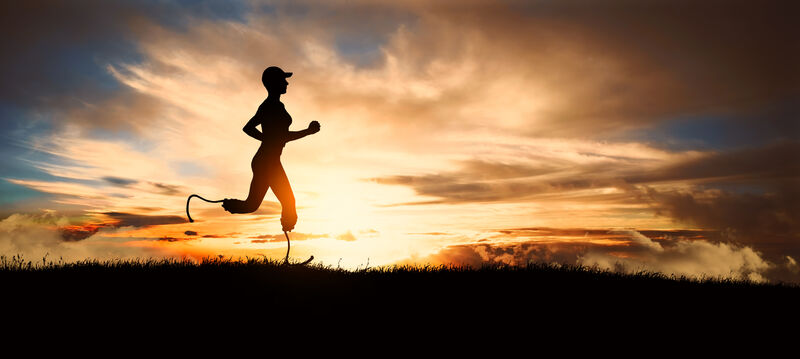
(655, 135)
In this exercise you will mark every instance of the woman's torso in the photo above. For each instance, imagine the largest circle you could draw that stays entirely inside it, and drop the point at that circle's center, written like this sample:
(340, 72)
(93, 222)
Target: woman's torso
(275, 122)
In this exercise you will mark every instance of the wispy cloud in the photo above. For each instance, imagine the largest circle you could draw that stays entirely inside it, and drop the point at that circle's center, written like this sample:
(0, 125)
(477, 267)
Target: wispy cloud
(138, 220)
(269, 238)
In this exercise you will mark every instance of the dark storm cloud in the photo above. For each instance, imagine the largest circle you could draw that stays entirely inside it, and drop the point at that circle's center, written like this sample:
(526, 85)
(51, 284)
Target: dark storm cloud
(454, 190)
(679, 57)
(478, 181)
(767, 164)
(481, 181)
(771, 220)
(752, 196)
(491, 170)
(138, 220)
(667, 235)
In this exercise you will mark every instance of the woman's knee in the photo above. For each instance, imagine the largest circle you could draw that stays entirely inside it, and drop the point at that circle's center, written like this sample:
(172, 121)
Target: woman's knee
(250, 206)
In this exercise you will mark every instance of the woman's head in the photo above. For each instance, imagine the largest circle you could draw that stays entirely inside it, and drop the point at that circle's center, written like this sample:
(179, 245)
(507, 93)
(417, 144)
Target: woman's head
(274, 79)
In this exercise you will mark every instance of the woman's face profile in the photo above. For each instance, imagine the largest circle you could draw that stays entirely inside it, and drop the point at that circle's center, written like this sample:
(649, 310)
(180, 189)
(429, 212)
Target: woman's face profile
(279, 86)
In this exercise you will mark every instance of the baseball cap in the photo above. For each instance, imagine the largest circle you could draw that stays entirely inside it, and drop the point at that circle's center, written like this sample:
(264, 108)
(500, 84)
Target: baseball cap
(274, 73)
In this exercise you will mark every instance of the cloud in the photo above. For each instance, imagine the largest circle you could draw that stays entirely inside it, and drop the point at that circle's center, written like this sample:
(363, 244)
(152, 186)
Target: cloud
(51, 29)
(47, 234)
(484, 181)
(476, 255)
(682, 258)
(347, 237)
(422, 58)
(566, 69)
(295, 236)
(767, 221)
(666, 54)
(190, 233)
(791, 265)
(174, 239)
(750, 195)
(269, 238)
(168, 189)
(765, 164)
(79, 232)
(477, 180)
(263, 240)
(119, 181)
(126, 110)
(589, 234)
(619, 250)
(138, 220)
(60, 46)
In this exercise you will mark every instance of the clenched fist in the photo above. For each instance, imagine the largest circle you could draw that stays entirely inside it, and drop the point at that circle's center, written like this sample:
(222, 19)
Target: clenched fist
(313, 127)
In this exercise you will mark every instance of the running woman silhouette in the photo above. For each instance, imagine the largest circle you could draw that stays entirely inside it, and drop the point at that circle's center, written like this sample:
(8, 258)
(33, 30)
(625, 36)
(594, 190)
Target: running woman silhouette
(267, 168)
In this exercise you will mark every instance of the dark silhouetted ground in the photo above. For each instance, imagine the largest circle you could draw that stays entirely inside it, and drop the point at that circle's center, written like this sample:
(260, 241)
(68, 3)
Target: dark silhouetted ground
(268, 293)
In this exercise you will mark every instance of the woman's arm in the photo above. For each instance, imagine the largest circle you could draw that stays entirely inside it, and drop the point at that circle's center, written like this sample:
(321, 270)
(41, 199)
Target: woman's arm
(313, 128)
(296, 135)
(251, 130)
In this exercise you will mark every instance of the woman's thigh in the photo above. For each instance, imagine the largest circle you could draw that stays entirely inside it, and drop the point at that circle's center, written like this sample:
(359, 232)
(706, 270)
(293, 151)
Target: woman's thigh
(260, 182)
(279, 182)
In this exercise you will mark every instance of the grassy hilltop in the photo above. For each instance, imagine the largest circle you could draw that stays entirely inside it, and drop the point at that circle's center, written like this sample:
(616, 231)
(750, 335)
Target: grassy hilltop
(269, 293)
